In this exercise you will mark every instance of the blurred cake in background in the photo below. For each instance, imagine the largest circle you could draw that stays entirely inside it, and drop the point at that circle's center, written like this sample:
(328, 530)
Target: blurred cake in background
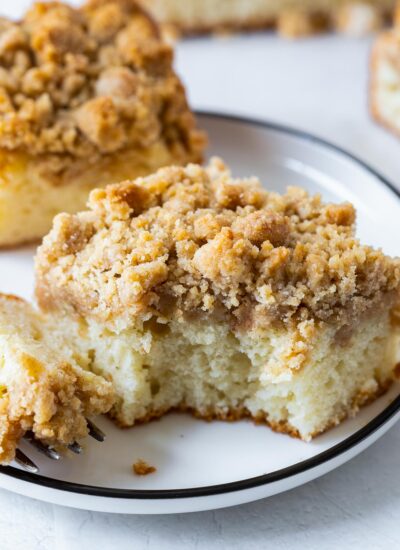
(293, 18)
(88, 97)
(385, 78)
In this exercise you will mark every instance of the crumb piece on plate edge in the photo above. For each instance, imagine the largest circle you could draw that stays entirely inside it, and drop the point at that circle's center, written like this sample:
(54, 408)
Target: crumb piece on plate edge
(142, 468)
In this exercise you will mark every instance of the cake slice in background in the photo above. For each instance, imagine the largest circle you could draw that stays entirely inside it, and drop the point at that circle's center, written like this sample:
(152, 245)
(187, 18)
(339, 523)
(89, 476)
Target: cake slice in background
(293, 18)
(87, 97)
(385, 78)
(192, 290)
(45, 387)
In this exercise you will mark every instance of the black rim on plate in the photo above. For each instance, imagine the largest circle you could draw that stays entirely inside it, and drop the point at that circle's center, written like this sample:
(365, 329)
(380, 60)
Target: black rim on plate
(284, 473)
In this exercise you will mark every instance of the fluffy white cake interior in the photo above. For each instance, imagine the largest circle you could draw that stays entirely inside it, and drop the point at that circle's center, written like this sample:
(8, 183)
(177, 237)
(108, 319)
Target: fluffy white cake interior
(30, 197)
(300, 381)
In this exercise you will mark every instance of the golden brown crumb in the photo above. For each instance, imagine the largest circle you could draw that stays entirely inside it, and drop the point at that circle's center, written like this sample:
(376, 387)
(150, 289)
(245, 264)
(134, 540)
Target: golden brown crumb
(297, 23)
(396, 371)
(195, 239)
(90, 81)
(397, 15)
(359, 18)
(141, 468)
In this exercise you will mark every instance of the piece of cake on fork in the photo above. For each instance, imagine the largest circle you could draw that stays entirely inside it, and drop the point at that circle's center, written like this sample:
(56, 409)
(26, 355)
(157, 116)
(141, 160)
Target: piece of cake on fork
(192, 290)
(45, 389)
(87, 97)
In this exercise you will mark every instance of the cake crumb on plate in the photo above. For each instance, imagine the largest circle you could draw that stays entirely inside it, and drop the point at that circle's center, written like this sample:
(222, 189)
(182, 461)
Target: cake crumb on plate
(141, 468)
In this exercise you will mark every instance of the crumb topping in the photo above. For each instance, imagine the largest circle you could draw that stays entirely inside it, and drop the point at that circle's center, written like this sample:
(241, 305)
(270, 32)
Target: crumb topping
(141, 468)
(89, 81)
(196, 240)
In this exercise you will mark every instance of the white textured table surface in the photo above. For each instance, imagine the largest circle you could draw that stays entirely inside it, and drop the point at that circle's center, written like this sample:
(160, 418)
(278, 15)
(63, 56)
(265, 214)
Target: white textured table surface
(318, 85)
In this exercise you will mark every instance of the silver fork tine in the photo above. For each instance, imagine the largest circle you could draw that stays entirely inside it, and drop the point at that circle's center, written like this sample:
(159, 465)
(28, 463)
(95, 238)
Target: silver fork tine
(75, 448)
(95, 432)
(25, 462)
(42, 447)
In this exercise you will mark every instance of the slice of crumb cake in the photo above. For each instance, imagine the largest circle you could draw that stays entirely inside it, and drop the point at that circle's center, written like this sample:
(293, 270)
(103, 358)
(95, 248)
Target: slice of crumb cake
(87, 97)
(293, 18)
(192, 290)
(385, 79)
(44, 387)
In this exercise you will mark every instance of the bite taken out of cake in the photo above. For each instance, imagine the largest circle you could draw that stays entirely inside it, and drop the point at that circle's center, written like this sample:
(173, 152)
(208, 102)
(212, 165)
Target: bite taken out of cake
(191, 290)
(88, 97)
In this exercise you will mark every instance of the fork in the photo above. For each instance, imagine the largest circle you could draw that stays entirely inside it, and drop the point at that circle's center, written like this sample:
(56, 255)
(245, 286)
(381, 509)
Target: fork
(28, 465)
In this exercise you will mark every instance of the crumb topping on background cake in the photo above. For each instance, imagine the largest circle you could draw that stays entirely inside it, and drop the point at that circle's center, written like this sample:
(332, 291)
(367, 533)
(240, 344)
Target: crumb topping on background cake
(89, 81)
(196, 240)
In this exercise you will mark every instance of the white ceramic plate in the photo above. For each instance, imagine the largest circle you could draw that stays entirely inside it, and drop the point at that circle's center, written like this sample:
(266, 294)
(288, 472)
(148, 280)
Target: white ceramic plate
(201, 465)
